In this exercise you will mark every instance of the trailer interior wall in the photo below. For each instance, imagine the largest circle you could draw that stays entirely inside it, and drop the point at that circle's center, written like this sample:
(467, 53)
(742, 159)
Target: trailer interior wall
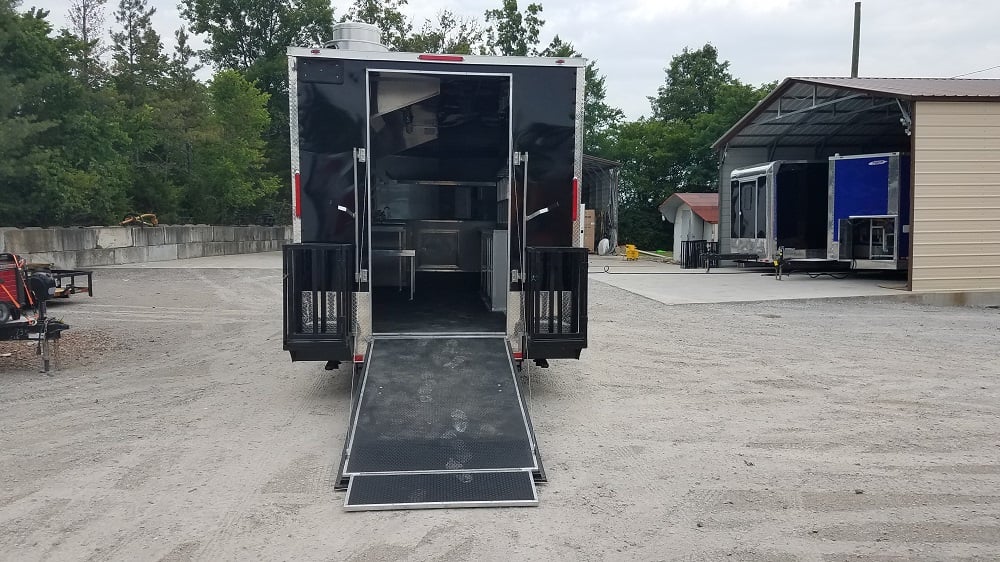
(956, 206)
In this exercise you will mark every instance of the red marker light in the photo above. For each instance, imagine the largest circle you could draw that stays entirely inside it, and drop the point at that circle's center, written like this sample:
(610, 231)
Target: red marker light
(359, 358)
(576, 198)
(314, 51)
(518, 356)
(298, 195)
(560, 61)
(442, 58)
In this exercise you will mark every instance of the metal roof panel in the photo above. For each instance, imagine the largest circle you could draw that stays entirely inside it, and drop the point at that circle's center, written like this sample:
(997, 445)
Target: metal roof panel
(822, 107)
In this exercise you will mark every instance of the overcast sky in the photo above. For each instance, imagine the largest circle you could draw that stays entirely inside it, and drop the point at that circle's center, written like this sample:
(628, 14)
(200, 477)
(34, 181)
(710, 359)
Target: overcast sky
(764, 40)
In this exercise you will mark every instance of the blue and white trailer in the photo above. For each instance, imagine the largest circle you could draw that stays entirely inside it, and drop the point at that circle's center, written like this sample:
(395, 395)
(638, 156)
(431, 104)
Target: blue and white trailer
(869, 210)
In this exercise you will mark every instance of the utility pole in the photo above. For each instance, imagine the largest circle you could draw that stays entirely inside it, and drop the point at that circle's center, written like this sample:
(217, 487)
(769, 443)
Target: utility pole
(857, 40)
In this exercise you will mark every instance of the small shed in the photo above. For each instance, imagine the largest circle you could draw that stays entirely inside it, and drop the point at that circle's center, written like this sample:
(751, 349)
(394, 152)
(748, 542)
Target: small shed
(950, 130)
(695, 216)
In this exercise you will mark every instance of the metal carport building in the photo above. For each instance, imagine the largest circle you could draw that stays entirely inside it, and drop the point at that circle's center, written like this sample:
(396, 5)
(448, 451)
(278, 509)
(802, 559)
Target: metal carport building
(951, 127)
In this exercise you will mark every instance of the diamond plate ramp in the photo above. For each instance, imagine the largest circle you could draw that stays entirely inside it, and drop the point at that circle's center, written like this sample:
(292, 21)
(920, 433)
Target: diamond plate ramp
(440, 490)
(439, 404)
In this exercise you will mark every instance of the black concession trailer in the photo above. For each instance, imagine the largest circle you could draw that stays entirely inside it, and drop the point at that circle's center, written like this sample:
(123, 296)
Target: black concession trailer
(438, 251)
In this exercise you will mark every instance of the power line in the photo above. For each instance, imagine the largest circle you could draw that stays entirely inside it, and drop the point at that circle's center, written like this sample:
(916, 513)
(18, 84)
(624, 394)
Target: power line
(976, 71)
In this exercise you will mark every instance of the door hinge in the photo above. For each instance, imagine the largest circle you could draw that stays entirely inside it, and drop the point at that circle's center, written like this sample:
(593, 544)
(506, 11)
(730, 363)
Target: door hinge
(361, 276)
(362, 154)
(520, 158)
(515, 276)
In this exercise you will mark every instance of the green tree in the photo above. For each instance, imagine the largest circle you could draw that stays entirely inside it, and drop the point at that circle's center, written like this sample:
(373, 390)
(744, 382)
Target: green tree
(251, 36)
(229, 163)
(28, 59)
(600, 118)
(387, 16)
(672, 152)
(447, 34)
(652, 154)
(139, 72)
(92, 168)
(512, 32)
(699, 92)
(87, 25)
(59, 154)
(241, 33)
(137, 52)
(692, 84)
(182, 113)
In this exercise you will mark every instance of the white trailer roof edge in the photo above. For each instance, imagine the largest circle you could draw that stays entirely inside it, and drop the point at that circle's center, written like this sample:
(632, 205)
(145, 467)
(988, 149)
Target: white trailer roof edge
(766, 167)
(573, 62)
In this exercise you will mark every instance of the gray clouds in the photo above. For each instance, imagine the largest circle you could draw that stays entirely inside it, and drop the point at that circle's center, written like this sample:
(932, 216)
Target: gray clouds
(765, 40)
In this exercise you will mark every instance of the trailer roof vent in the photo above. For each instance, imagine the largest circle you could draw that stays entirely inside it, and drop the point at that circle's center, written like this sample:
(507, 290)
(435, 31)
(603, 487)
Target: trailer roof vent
(356, 36)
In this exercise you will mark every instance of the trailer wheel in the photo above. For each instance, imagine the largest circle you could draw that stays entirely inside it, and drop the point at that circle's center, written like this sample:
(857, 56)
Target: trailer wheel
(5, 314)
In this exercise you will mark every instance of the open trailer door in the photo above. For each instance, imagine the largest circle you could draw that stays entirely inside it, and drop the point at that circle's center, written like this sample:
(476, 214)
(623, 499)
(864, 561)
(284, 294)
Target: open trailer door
(326, 270)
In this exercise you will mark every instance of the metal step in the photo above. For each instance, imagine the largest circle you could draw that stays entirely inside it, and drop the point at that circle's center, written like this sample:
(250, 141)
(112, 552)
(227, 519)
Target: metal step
(430, 490)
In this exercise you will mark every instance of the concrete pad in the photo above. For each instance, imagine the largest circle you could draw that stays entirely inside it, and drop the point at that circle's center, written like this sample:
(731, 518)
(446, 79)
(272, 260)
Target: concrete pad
(264, 260)
(669, 284)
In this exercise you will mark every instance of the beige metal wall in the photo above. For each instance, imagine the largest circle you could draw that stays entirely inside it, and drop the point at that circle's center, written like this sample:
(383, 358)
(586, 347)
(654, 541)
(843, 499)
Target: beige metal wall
(956, 206)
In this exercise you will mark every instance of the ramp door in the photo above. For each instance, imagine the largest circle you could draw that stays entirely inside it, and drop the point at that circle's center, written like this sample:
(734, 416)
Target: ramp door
(440, 423)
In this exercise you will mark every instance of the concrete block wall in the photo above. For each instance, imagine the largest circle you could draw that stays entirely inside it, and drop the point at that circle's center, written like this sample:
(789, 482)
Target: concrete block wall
(79, 248)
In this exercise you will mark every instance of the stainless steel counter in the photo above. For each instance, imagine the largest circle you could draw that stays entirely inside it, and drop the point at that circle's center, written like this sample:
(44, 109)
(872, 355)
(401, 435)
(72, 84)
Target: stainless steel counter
(440, 245)
(401, 256)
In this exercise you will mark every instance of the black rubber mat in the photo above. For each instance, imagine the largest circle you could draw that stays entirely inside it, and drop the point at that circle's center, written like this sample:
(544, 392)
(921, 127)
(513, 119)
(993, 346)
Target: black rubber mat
(423, 491)
(439, 404)
(443, 303)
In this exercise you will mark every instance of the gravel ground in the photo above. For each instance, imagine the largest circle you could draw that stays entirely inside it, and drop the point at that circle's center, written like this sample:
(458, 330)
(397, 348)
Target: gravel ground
(807, 430)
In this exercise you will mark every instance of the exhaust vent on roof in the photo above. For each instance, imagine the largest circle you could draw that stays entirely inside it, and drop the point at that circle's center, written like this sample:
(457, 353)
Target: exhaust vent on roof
(356, 36)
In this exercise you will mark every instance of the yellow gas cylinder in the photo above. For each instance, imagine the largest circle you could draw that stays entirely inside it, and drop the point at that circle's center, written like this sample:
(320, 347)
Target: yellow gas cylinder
(631, 252)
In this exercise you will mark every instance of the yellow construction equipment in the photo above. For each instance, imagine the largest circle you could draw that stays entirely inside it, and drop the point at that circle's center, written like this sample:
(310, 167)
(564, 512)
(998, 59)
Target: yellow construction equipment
(631, 252)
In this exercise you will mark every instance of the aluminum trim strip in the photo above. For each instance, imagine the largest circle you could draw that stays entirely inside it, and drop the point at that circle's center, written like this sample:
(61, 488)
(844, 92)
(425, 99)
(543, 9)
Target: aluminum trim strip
(859, 156)
(533, 502)
(520, 403)
(361, 397)
(293, 126)
(436, 335)
(527, 470)
(580, 111)
(441, 505)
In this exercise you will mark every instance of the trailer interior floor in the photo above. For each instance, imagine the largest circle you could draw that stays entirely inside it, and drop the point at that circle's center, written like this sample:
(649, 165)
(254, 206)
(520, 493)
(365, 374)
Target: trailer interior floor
(444, 303)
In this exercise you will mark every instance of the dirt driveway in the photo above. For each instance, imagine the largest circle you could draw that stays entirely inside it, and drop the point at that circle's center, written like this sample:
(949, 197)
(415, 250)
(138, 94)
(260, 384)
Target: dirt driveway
(808, 430)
